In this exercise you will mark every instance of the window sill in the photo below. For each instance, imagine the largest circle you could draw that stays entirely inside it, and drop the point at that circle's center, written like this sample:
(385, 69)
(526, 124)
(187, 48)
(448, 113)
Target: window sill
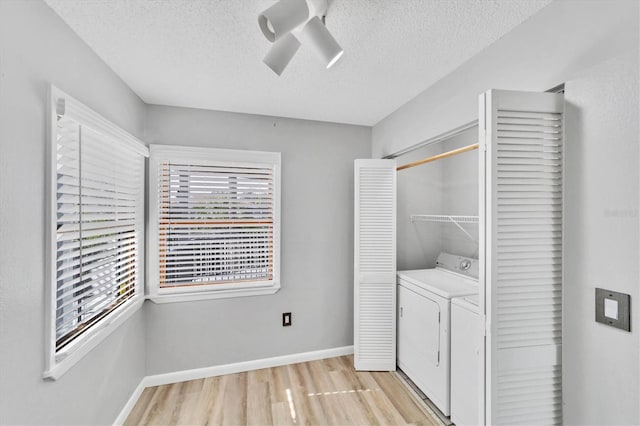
(90, 341)
(216, 294)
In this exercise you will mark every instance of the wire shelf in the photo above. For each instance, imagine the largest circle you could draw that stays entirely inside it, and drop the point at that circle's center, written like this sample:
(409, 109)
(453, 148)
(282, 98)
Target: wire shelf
(443, 218)
(456, 220)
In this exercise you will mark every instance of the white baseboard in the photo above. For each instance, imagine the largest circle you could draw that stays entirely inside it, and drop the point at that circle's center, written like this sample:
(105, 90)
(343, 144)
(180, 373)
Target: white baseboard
(218, 370)
(131, 402)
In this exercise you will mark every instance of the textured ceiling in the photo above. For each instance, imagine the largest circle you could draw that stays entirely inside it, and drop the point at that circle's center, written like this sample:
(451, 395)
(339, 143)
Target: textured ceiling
(208, 53)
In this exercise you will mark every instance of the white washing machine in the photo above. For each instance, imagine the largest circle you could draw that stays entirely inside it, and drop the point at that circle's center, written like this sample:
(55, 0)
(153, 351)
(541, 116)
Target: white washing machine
(465, 355)
(424, 306)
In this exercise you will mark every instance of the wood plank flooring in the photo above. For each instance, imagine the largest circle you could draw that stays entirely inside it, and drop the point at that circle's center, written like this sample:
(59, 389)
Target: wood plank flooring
(324, 392)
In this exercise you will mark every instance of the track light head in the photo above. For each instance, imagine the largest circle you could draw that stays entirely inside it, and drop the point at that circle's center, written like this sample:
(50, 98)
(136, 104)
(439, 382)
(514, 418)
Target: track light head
(320, 39)
(281, 53)
(282, 17)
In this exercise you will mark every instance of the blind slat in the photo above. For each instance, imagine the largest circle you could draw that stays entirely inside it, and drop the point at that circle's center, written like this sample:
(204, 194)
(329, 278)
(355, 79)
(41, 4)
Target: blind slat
(69, 284)
(91, 309)
(91, 288)
(79, 284)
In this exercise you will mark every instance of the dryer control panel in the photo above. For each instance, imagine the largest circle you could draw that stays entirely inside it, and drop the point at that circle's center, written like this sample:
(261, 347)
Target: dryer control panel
(466, 266)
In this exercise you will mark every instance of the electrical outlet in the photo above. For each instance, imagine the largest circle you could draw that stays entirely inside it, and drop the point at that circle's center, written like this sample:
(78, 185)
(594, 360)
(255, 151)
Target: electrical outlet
(286, 319)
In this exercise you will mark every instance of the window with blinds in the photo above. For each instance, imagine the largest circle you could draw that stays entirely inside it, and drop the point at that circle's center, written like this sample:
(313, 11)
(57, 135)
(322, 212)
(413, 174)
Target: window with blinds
(97, 224)
(216, 220)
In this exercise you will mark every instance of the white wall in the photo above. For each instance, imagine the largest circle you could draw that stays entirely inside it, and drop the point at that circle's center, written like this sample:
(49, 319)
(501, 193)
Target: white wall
(602, 364)
(460, 194)
(593, 47)
(36, 48)
(548, 49)
(317, 245)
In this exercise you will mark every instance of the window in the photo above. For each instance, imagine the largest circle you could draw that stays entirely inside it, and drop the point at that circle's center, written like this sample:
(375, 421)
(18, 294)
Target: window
(214, 223)
(97, 224)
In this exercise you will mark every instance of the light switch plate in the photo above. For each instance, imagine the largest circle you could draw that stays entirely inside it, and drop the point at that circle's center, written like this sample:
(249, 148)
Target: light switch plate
(613, 308)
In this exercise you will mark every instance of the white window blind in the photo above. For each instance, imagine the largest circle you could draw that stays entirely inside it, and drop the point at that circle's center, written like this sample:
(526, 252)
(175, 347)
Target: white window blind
(216, 221)
(216, 224)
(97, 225)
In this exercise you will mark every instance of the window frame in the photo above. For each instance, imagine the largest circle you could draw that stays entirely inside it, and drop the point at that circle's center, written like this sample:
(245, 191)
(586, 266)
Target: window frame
(59, 362)
(207, 156)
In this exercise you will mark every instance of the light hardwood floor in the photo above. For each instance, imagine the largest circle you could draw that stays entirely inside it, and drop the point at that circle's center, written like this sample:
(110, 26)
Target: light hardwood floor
(325, 392)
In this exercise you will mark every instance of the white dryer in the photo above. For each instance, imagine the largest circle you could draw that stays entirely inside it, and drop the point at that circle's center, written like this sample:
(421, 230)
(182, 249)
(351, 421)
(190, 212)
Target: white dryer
(424, 322)
(465, 367)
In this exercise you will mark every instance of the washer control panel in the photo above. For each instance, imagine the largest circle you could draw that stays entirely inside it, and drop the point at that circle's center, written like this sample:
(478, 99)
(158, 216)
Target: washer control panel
(467, 266)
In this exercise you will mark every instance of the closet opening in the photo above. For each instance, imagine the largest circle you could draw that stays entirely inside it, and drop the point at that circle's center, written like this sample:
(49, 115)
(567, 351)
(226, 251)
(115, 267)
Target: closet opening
(482, 231)
(437, 261)
(438, 201)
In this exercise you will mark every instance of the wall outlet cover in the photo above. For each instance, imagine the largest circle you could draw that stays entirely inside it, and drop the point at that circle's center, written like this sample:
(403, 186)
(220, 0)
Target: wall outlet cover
(286, 319)
(613, 309)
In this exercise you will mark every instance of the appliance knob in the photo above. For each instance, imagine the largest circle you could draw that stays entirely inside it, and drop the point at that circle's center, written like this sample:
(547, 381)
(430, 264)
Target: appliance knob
(465, 264)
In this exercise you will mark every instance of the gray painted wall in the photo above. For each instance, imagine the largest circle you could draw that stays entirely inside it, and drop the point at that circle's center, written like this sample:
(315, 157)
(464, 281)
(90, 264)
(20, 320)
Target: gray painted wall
(602, 364)
(593, 47)
(36, 48)
(317, 245)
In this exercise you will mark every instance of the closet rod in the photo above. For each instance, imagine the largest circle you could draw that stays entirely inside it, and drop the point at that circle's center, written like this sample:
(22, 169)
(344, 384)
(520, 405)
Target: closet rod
(439, 156)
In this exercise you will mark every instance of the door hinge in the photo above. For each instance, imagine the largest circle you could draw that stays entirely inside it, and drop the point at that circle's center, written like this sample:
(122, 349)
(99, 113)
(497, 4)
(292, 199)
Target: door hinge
(483, 325)
(484, 116)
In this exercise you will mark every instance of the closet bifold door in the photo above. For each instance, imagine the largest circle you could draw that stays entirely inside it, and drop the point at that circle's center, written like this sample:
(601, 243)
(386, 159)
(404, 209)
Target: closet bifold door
(521, 223)
(375, 265)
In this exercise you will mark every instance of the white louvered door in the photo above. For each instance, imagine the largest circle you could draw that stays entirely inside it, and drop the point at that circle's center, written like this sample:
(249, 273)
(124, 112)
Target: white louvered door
(521, 138)
(375, 265)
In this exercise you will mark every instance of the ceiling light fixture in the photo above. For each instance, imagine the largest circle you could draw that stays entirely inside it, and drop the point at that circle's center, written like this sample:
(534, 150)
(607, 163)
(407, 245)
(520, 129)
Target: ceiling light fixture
(323, 43)
(281, 19)
(281, 53)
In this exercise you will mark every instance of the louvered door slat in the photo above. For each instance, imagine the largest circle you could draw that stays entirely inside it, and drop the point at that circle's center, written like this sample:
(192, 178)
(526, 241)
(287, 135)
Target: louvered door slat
(521, 207)
(375, 265)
